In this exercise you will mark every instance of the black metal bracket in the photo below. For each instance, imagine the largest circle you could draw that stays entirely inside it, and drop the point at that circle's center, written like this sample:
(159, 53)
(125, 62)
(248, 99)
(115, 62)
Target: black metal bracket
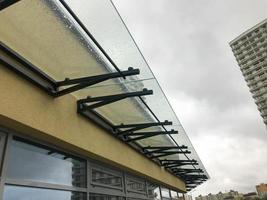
(144, 135)
(170, 153)
(104, 100)
(5, 3)
(28, 71)
(130, 128)
(184, 171)
(194, 177)
(162, 149)
(177, 163)
(80, 83)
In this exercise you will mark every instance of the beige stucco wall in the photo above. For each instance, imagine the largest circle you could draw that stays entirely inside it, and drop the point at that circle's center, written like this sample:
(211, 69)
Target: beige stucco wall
(30, 111)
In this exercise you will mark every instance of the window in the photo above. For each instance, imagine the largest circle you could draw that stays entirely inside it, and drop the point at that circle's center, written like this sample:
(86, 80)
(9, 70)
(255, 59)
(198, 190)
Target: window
(17, 192)
(165, 193)
(35, 171)
(93, 196)
(35, 163)
(2, 144)
(153, 191)
(106, 177)
(135, 184)
(174, 195)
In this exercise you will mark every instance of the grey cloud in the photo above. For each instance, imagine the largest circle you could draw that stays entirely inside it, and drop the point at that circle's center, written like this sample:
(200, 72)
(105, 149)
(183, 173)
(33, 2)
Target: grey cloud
(186, 44)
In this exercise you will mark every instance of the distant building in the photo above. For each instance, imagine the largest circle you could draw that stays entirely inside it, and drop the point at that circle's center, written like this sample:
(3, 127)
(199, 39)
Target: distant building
(250, 196)
(250, 50)
(221, 196)
(261, 189)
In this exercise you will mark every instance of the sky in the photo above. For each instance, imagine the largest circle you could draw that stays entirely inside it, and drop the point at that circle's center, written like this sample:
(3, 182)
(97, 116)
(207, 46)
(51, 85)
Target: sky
(186, 43)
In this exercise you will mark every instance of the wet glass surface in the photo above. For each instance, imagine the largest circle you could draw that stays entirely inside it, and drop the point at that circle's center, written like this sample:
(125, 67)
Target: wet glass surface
(106, 178)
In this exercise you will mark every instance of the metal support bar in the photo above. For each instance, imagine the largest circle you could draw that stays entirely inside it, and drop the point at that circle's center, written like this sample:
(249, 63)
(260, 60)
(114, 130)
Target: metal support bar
(162, 149)
(104, 100)
(27, 70)
(184, 173)
(5, 3)
(143, 135)
(184, 170)
(177, 161)
(130, 128)
(170, 153)
(13, 61)
(194, 176)
(89, 81)
(174, 166)
(194, 182)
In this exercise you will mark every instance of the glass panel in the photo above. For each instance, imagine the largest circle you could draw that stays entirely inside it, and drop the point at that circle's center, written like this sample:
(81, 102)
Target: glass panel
(93, 196)
(2, 145)
(153, 192)
(165, 193)
(182, 139)
(112, 34)
(106, 178)
(174, 195)
(27, 193)
(31, 162)
(135, 185)
(51, 39)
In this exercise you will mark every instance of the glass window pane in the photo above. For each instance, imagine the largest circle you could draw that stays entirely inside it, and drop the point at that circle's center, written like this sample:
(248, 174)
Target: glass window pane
(106, 178)
(27, 193)
(165, 193)
(135, 185)
(174, 195)
(153, 192)
(93, 196)
(2, 144)
(31, 162)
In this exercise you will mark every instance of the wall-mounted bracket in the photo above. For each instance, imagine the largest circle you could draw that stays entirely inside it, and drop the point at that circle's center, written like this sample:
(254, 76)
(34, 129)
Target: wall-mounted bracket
(144, 135)
(130, 128)
(169, 153)
(80, 83)
(162, 149)
(104, 100)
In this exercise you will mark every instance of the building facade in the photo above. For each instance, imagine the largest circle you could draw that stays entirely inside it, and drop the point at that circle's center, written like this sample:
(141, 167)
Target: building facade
(250, 50)
(231, 195)
(262, 189)
(73, 125)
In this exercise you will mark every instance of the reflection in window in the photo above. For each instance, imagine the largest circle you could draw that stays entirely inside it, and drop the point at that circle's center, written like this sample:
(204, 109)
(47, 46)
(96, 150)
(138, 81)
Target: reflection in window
(174, 195)
(153, 192)
(165, 193)
(26, 193)
(2, 144)
(135, 185)
(106, 178)
(31, 162)
(93, 196)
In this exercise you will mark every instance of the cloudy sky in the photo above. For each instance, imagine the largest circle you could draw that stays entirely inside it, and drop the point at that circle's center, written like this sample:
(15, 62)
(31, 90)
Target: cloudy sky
(186, 43)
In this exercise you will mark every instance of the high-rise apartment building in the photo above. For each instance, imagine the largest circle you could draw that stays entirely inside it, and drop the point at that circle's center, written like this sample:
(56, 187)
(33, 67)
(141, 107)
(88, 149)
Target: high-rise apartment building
(262, 189)
(250, 50)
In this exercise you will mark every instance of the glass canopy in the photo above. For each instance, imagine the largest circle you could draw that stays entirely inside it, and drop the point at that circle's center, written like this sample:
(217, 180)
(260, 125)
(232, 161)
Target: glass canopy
(60, 38)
